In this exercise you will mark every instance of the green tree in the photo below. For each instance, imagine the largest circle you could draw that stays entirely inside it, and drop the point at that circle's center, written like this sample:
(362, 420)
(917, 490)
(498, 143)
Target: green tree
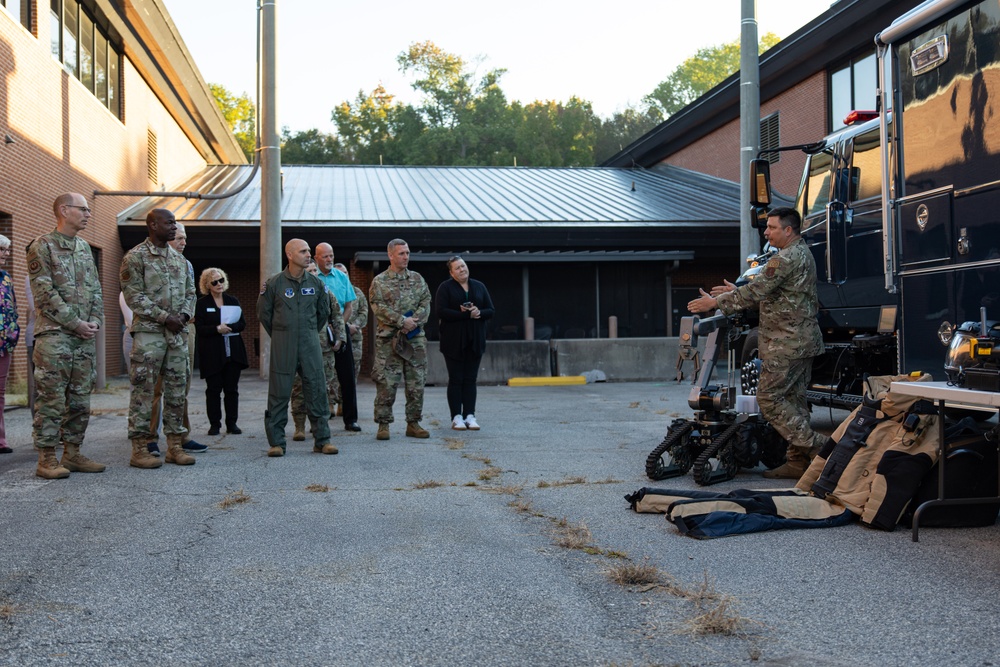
(622, 128)
(451, 96)
(241, 115)
(371, 129)
(310, 147)
(694, 77)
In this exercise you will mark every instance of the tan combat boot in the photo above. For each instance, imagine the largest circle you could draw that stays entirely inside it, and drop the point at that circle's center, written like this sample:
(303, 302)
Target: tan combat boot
(48, 464)
(300, 427)
(796, 462)
(74, 461)
(415, 430)
(141, 458)
(328, 448)
(175, 451)
(383, 432)
(276, 450)
(339, 412)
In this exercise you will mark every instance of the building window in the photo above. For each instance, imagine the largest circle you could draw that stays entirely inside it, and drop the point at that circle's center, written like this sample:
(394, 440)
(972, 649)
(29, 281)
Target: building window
(20, 10)
(770, 137)
(852, 87)
(86, 50)
(151, 170)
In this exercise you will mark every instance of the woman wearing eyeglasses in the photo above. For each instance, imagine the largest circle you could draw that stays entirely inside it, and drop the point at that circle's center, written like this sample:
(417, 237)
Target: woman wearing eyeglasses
(222, 356)
(9, 333)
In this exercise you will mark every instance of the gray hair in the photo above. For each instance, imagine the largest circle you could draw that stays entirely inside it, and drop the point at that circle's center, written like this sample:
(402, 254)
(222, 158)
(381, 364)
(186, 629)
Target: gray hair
(4, 242)
(395, 242)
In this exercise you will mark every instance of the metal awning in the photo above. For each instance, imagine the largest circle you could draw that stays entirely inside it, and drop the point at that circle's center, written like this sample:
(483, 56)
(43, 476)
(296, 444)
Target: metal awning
(537, 257)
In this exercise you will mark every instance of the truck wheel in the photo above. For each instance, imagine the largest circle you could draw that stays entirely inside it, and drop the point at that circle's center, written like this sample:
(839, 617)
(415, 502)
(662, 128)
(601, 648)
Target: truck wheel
(750, 364)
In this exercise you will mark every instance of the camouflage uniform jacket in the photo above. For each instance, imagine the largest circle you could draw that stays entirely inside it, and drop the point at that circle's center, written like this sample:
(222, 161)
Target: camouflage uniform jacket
(785, 293)
(392, 295)
(156, 283)
(359, 317)
(64, 283)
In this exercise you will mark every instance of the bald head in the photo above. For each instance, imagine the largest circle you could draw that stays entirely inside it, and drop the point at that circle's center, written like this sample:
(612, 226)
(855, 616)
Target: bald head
(324, 258)
(297, 252)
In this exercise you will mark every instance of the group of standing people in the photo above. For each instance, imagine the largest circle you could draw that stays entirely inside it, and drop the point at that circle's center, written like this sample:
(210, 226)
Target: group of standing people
(311, 310)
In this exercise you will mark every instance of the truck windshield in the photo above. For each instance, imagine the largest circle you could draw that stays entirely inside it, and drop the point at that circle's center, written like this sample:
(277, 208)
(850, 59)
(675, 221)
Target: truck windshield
(817, 185)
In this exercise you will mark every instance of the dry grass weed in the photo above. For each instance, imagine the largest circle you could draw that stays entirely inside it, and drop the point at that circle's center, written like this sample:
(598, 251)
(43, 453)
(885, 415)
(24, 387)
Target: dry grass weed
(636, 574)
(427, 484)
(318, 488)
(454, 443)
(488, 473)
(235, 498)
(572, 536)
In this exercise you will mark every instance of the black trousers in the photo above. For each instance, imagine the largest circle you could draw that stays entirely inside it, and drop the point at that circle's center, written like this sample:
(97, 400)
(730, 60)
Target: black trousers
(227, 381)
(343, 362)
(462, 374)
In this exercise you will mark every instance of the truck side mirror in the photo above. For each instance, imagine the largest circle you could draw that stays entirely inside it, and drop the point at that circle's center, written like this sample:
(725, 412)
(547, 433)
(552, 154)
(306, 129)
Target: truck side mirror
(758, 217)
(836, 242)
(760, 183)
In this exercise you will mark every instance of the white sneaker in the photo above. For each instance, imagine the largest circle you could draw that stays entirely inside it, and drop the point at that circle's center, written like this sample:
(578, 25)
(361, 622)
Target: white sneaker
(470, 423)
(457, 424)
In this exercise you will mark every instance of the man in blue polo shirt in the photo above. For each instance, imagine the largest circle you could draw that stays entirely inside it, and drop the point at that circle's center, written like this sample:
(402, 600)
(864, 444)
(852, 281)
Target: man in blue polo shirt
(340, 285)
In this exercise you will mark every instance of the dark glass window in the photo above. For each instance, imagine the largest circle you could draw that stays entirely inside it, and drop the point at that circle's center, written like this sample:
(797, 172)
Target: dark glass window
(86, 51)
(852, 87)
(20, 10)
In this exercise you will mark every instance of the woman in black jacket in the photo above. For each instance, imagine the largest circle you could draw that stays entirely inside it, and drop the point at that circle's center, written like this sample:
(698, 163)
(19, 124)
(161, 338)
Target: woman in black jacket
(222, 356)
(463, 306)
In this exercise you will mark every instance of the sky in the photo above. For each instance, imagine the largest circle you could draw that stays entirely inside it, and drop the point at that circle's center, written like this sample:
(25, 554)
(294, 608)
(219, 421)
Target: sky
(609, 53)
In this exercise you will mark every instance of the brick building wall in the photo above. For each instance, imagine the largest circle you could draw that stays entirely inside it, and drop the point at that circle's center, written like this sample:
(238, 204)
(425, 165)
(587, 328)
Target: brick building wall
(67, 141)
(718, 154)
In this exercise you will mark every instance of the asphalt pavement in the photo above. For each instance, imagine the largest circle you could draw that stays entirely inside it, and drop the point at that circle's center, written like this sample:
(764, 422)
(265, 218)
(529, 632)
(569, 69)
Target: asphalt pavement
(469, 548)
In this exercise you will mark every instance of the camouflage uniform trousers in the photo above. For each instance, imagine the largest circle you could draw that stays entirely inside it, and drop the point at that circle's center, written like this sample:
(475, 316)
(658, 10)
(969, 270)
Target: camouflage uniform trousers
(330, 373)
(389, 370)
(781, 395)
(155, 354)
(65, 370)
(154, 420)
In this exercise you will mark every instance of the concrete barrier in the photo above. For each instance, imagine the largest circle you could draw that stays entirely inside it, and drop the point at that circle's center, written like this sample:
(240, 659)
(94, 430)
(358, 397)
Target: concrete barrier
(621, 359)
(503, 359)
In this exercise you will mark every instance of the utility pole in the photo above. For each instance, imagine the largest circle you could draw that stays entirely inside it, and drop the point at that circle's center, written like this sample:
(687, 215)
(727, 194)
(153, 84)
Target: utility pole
(270, 178)
(749, 123)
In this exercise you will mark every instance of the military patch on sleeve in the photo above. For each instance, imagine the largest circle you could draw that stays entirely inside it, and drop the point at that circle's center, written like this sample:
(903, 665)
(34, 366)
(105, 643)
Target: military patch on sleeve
(772, 264)
(34, 266)
(126, 276)
(263, 287)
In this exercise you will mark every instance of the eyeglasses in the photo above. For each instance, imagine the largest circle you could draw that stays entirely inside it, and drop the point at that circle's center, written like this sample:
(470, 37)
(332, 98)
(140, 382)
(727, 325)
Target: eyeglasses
(79, 208)
(6, 250)
(218, 282)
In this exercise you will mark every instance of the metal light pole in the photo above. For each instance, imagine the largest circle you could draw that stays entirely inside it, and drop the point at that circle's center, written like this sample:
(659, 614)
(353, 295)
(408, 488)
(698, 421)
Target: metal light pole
(749, 122)
(270, 179)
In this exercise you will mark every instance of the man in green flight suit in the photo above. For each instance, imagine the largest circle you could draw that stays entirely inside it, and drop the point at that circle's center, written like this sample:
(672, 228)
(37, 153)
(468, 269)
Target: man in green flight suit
(789, 336)
(293, 307)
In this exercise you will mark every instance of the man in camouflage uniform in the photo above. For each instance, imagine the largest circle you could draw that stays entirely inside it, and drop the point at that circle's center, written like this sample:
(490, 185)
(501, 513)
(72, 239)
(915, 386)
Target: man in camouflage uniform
(331, 339)
(69, 312)
(357, 323)
(293, 307)
(400, 300)
(789, 336)
(160, 290)
(178, 243)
